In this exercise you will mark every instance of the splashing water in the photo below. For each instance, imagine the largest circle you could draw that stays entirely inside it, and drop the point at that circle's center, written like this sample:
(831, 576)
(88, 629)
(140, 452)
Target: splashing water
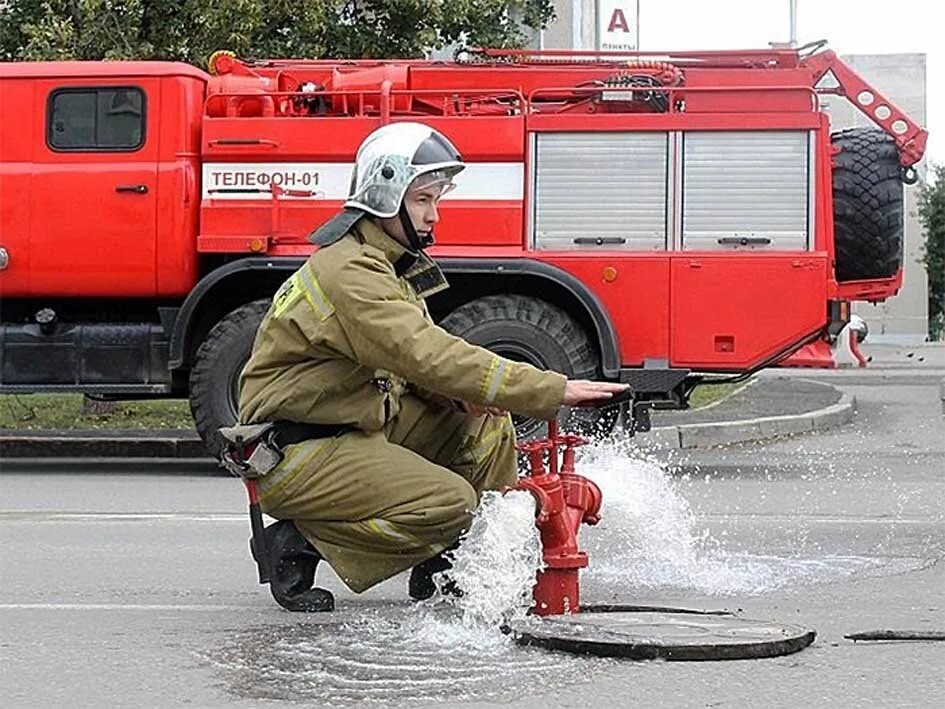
(496, 563)
(648, 537)
(495, 566)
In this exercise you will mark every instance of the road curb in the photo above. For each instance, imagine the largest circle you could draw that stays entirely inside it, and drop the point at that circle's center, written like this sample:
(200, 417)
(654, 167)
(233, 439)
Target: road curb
(707, 435)
(696, 435)
(57, 445)
(941, 393)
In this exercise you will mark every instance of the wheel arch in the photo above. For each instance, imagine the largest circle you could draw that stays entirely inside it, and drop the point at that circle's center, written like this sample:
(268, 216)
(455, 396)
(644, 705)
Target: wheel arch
(225, 288)
(474, 278)
(220, 291)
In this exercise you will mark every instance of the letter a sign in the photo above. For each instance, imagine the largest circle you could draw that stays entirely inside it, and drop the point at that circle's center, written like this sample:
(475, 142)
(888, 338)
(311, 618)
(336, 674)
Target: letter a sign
(616, 25)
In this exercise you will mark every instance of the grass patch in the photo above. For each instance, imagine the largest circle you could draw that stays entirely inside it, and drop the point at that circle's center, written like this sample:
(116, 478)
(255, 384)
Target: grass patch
(706, 394)
(66, 411)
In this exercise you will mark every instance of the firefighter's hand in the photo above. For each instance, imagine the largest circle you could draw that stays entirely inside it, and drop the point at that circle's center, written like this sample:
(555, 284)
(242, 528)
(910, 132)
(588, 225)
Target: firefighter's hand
(477, 410)
(581, 392)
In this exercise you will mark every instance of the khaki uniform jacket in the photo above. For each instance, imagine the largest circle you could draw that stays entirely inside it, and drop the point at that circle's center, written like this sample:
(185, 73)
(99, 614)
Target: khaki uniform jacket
(346, 336)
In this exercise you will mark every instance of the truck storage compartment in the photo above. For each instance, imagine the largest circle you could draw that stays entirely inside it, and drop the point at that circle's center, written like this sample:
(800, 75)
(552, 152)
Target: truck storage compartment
(747, 190)
(600, 189)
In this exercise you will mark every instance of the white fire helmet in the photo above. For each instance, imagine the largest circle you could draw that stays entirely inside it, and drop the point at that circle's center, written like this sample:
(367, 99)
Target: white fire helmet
(392, 157)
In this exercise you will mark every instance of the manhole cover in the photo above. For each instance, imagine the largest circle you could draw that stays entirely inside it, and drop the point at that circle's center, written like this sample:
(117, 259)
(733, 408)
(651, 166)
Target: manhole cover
(645, 634)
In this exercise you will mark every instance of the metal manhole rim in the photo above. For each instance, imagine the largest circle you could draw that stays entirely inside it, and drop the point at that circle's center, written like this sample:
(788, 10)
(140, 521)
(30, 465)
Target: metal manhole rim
(647, 649)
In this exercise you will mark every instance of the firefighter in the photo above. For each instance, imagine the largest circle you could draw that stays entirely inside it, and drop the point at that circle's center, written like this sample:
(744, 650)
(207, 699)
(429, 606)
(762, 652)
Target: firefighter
(390, 427)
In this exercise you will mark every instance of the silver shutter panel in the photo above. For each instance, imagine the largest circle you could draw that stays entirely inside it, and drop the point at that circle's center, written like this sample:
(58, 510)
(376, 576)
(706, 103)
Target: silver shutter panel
(607, 186)
(745, 190)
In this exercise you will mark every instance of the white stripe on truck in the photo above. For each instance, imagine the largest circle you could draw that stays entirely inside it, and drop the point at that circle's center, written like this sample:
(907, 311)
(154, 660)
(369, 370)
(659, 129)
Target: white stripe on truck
(330, 180)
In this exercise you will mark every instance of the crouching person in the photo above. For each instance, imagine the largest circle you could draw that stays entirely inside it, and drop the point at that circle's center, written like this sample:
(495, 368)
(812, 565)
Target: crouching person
(389, 428)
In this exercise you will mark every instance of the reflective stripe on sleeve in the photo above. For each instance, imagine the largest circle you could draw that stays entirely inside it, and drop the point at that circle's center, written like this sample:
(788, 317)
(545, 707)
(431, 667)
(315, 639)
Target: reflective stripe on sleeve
(494, 379)
(314, 293)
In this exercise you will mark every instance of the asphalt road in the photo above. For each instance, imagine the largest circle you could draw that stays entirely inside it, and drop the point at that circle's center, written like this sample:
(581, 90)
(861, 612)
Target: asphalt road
(134, 588)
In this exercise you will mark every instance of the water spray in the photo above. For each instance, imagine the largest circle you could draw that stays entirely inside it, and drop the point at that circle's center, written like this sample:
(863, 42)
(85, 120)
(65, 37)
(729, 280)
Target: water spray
(564, 500)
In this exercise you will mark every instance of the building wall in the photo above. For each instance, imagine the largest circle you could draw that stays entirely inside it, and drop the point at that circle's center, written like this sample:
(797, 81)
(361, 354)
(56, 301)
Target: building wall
(558, 34)
(573, 14)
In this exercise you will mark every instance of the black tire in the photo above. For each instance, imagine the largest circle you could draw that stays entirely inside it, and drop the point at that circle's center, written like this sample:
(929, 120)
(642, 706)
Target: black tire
(530, 330)
(214, 378)
(867, 205)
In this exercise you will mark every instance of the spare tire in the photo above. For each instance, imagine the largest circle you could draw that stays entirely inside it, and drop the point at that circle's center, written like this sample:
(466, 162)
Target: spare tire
(867, 205)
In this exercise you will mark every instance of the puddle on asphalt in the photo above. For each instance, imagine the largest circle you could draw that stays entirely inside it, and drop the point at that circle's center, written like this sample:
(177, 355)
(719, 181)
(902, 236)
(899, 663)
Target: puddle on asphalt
(451, 649)
(389, 655)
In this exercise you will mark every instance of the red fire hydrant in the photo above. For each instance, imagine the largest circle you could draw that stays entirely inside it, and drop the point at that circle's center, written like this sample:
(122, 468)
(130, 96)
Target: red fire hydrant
(565, 500)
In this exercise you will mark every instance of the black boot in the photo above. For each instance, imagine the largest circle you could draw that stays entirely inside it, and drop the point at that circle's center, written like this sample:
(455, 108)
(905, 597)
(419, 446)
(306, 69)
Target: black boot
(292, 561)
(421, 585)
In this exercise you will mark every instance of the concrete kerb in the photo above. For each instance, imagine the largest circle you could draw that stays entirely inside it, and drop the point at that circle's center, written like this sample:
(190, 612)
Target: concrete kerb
(703, 435)
(105, 446)
(699, 435)
(941, 393)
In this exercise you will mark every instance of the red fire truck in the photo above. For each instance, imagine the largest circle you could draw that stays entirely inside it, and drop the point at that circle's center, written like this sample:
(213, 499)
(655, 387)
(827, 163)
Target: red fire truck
(659, 220)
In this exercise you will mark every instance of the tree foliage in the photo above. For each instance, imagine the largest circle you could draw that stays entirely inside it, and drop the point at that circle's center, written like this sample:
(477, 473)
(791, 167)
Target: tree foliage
(932, 215)
(190, 30)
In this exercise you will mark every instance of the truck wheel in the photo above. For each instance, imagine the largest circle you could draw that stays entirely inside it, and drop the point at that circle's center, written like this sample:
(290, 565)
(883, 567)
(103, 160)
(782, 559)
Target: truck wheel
(214, 378)
(867, 205)
(530, 330)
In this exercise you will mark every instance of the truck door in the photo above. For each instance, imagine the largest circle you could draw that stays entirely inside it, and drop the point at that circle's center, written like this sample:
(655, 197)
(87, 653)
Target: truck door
(16, 152)
(94, 190)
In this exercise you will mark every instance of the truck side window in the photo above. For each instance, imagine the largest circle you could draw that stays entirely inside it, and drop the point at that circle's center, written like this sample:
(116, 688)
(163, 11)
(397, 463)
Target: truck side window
(96, 119)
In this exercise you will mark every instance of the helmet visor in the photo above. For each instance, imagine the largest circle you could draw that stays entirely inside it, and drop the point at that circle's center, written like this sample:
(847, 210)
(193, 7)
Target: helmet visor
(441, 180)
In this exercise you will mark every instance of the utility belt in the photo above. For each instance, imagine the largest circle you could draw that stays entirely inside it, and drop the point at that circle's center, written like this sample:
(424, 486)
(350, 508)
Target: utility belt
(253, 451)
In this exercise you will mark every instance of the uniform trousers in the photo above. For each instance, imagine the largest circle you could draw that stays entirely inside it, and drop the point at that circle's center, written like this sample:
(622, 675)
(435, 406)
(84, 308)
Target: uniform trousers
(375, 504)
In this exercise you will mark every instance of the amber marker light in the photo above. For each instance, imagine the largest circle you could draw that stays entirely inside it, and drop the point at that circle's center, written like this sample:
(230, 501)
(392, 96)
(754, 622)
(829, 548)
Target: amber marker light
(610, 274)
(257, 245)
